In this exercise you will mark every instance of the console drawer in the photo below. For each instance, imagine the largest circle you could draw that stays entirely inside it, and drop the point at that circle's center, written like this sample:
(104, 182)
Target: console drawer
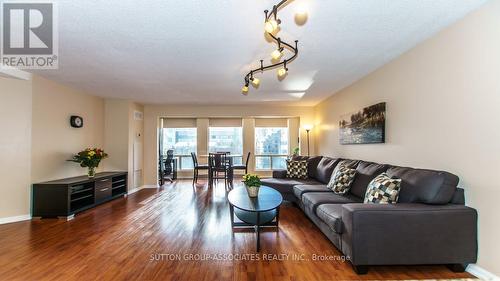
(102, 189)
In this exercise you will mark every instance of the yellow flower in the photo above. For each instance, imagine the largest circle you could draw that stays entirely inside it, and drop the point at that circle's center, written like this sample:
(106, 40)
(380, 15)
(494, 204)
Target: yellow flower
(91, 153)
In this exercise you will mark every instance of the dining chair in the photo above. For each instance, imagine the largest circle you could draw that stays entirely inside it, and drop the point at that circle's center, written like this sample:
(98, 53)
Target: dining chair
(243, 166)
(220, 167)
(197, 167)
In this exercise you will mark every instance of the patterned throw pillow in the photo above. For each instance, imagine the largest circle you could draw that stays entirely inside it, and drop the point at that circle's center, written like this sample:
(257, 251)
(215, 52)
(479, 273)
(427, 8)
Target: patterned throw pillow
(343, 180)
(296, 169)
(383, 190)
(332, 177)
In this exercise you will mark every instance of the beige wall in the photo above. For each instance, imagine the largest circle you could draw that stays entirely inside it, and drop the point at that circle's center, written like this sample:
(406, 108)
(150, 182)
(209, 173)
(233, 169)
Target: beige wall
(37, 138)
(53, 139)
(123, 135)
(443, 101)
(15, 147)
(152, 113)
(116, 134)
(136, 147)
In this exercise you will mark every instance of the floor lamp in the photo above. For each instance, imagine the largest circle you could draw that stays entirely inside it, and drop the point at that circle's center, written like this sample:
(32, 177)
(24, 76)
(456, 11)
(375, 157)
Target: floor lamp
(308, 129)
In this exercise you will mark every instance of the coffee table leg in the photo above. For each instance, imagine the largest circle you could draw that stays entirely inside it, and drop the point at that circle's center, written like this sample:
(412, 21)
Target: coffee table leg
(257, 229)
(278, 219)
(231, 211)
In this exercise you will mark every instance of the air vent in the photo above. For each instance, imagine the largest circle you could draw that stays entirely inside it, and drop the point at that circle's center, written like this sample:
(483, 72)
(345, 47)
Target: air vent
(138, 115)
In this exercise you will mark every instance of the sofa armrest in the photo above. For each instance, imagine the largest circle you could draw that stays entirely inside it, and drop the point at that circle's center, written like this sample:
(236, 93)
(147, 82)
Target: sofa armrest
(383, 234)
(279, 174)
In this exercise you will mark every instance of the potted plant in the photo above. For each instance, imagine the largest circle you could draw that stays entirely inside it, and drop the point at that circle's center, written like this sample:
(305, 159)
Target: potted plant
(89, 158)
(295, 153)
(252, 184)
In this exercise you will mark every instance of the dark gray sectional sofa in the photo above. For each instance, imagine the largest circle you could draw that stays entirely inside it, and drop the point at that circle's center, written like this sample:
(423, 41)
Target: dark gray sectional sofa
(430, 224)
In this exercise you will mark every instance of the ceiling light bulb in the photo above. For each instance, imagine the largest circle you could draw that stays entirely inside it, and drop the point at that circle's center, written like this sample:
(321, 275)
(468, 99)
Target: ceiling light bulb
(282, 72)
(271, 25)
(244, 90)
(256, 82)
(276, 54)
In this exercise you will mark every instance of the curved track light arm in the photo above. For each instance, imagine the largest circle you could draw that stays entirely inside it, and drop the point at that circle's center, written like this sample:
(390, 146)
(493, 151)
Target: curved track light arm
(281, 46)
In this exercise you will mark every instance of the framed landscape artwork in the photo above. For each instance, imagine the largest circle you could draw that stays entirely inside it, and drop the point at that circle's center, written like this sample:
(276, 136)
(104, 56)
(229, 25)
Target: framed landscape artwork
(364, 126)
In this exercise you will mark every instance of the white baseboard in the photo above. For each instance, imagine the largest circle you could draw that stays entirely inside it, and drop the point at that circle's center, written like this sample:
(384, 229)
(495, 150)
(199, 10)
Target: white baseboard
(134, 190)
(15, 219)
(481, 273)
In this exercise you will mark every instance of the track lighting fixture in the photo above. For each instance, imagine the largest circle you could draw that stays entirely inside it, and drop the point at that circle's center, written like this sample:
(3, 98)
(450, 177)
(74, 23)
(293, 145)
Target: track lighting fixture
(272, 26)
(276, 55)
(255, 82)
(244, 90)
(282, 72)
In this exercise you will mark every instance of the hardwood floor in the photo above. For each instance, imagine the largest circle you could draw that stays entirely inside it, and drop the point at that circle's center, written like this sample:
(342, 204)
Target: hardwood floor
(154, 235)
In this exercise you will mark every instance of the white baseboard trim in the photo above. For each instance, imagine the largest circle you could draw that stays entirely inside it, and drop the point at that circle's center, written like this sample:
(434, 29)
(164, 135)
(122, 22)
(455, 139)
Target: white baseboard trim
(15, 219)
(134, 190)
(481, 273)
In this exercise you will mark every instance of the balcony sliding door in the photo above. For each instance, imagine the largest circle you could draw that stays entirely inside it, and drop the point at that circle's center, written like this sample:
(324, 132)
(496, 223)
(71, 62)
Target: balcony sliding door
(271, 143)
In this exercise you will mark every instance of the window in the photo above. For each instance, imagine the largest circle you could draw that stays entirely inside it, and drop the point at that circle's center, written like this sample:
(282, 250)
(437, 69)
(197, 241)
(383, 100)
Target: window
(226, 139)
(271, 148)
(183, 142)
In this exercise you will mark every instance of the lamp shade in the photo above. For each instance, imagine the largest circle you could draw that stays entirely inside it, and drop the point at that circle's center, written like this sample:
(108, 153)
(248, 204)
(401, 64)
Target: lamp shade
(256, 82)
(271, 25)
(307, 127)
(276, 54)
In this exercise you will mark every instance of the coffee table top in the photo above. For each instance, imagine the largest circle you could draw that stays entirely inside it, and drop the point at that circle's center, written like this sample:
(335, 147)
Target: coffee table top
(268, 199)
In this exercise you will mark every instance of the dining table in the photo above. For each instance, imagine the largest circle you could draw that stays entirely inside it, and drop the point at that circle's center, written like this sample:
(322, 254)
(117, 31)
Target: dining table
(230, 172)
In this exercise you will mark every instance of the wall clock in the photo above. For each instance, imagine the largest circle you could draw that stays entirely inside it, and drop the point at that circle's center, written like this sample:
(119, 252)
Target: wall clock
(76, 121)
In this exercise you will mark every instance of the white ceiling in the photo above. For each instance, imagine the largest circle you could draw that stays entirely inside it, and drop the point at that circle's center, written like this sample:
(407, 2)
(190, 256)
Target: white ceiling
(198, 51)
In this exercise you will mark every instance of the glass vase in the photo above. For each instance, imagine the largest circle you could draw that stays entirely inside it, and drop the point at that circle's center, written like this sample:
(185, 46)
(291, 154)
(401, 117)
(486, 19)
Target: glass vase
(253, 191)
(91, 172)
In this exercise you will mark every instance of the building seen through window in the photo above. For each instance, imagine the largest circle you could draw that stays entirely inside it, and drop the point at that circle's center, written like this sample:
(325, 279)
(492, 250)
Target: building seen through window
(271, 148)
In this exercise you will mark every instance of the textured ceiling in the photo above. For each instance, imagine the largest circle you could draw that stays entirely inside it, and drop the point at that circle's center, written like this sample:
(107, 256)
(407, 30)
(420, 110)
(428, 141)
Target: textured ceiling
(198, 51)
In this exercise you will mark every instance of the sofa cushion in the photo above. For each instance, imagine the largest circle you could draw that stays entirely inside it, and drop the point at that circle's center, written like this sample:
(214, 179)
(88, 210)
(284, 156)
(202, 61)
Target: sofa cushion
(312, 164)
(365, 173)
(331, 214)
(296, 169)
(299, 190)
(383, 190)
(424, 186)
(286, 185)
(458, 197)
(311, 200)
(325, 168)
(349, 163)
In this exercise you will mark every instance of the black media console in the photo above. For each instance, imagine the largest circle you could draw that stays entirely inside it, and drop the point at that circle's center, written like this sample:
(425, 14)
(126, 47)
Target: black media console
(66, 197)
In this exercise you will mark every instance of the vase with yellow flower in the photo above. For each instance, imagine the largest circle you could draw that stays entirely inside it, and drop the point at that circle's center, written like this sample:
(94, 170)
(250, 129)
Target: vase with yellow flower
(252, 184)
(90, 159)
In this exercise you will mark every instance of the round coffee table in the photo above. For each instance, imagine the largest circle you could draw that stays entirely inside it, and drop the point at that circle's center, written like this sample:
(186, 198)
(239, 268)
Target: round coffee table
(256, 212)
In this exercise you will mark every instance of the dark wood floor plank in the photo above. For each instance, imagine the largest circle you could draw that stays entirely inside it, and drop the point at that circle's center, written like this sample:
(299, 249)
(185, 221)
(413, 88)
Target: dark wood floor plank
(118, 240)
